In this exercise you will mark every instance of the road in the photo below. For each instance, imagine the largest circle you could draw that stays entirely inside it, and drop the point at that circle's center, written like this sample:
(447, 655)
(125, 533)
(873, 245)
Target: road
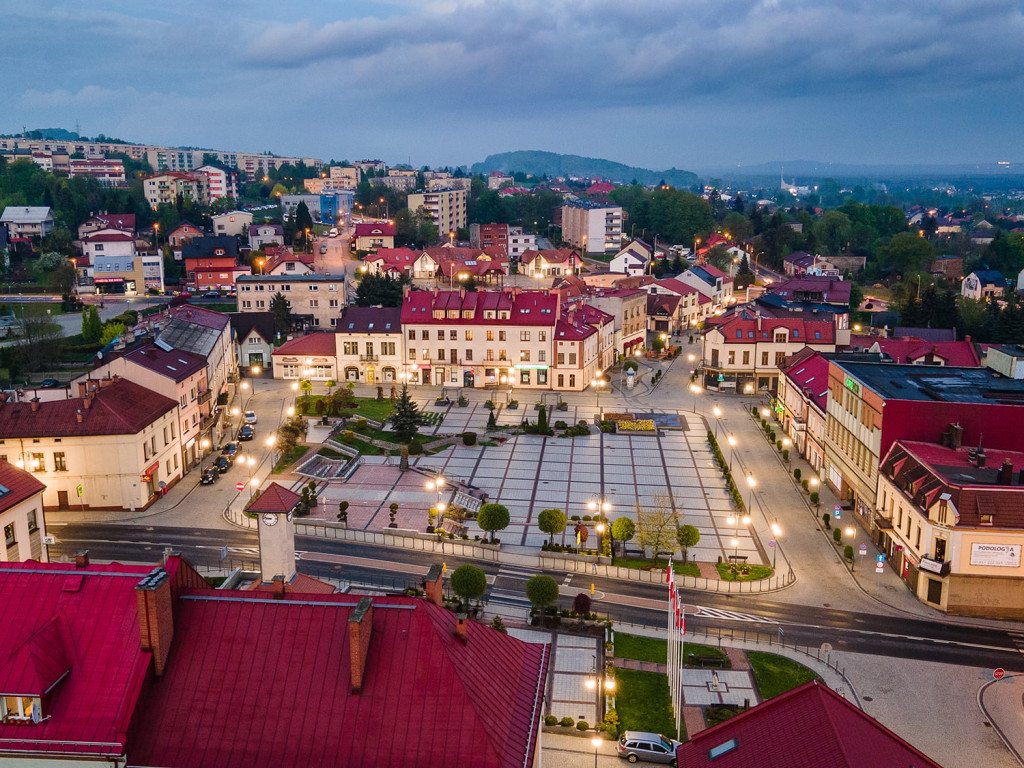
(630, 602)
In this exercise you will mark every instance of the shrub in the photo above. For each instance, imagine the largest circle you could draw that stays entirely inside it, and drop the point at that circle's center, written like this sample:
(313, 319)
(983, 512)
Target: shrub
(611, 723)
(549, 719)
(360, 423)
(778, 445)
(348, 436)
(415, 447)
(575, 517)
(848, 552)
(582, 725)
(581, 603)
(796, 474)
(827, 520)
(567, 722)
(561, 425)
(469, 438)
(587, 517)
(837, 535)
(753, 410)
(814, 497)
(785, 454)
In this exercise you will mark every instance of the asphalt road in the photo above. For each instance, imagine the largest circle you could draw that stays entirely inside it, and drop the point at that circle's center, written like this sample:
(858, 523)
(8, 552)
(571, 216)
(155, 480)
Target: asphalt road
(632, 602)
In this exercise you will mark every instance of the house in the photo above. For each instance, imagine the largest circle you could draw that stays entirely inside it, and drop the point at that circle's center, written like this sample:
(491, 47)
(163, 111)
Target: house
(369, 346)
(947, 267)
(183, 234)
(313, 357)
(373, 236)
(803, 398)
(115, 446)
(265, 234)
(207, 333)
(695, 306)
(497, 180)
(817, 290)
(983, 284)
(663, 315)
(27, 221)
(797, 263)
(166, 188)
(118, 274)
(954, 523)
(749, 348)
(447, 260)
(512, 240)
(331, 208)
(284, 261)
(393, 261)
(710, 280)
(216, 273)
(913, 351)
(633, 259)
(231, 223)
(21, 515)
(123, 222)
(806, 727)
(628, 309)
(551, 262)
(253, 334)
(315, 300)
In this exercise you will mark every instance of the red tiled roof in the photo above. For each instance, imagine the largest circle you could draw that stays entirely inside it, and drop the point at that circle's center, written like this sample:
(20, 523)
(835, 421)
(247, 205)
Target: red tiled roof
(281, 695)
(206, 318)
(394, 257)
(910, 350)
(209, 262)
(300, 584)
(285, 255)
(524, 308)
(125, 221)
(104, 236)
(120, 408)
(313, 344)
(377, 229)
(808, 727)
(65, 617)
(810, 371)
(662, 304)
(745, 328)
(20, 485)
(677, 287)
(551, 255)
(176, 365)
(274, 499)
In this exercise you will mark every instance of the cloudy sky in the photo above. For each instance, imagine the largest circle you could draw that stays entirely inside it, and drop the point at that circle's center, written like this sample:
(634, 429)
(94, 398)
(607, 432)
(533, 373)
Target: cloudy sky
(692, 84)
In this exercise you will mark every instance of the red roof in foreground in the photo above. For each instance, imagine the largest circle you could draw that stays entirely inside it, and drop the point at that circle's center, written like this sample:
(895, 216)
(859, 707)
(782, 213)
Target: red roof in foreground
(58, 618)
(313, 344)
(19, 485)
(257, 682)
(808, 727)
(910, 350)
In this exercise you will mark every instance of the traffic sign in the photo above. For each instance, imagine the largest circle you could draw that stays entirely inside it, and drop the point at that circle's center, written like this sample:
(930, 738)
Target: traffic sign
(80, 490)
(880, 557)
(879, 567)
(998, 673)
(771, 543)
(240, 486)
(863, 549)
(838, 509)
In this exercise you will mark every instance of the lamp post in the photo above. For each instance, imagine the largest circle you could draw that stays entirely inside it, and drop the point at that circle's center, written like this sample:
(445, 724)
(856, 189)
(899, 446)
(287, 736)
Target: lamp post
(597, 743)
(204, 444)
(295, 393)
(786, 445)
(765, 413)
(735, 550)
(748, 389)
(271, 442)
(852, 535)
(602, 684)
(736, 522)
(732, 449)
(259, 263)
(776, 532)
(751, 483)
(695, 391)
(718, 415)
(250, 461)
(437, 484)
(602, 507)
(815, 483)
(598, 383)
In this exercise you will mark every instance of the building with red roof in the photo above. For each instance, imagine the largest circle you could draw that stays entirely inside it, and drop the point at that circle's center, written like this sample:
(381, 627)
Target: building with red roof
(393, 261)
(551, 262)
(696, 303)
(115, 447)
(313, 356)
(749, 348)
(371, 237)
(803, 399)
(282, 260)
(818, 290)
(951, 522)
(911, 351)
(442, 261)
(21, 514)
(808, 727)
(142, 666)
(315, 299)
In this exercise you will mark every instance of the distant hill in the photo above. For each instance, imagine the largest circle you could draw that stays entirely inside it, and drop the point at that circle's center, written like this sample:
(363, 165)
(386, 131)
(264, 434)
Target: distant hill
(553, 164)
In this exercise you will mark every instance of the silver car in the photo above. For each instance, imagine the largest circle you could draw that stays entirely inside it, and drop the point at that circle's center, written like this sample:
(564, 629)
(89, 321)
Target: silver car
(649, 747)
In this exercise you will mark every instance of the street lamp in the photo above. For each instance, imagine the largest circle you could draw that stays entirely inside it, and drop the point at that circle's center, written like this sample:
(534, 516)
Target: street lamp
(852, 535)
(765, 413)
(814, 489)
(309, 247)
(786, 444)
(732, 449)
(718, 415)
(735, 550)
(597, 743)
(295, 392)
(751, 482)
(748, 389)
(776, 532)
(695, 390)
(598, 383)
(204, 444)
(437, 484)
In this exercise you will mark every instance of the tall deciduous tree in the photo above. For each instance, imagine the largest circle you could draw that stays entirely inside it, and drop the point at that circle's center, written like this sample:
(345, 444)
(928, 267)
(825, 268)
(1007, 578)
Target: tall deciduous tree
(551, 521)
(541, 590)
(493, 518)
(656, 526)
(687, 536)
(92, 326)
(623, 529)
(469, 582)
(384, 290)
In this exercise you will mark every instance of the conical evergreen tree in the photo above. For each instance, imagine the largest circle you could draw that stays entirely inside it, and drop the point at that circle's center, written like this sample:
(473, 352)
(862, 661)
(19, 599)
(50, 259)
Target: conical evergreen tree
(405, 417)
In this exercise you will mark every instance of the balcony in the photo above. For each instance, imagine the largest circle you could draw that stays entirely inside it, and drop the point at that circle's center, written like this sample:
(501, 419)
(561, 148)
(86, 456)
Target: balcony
(204, 397)
(368, 358)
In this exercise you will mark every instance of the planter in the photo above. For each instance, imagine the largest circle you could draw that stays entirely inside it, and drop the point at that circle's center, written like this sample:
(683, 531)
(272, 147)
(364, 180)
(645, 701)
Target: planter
(463, 403)
(513, 406)
(392, 525)
(563, 406)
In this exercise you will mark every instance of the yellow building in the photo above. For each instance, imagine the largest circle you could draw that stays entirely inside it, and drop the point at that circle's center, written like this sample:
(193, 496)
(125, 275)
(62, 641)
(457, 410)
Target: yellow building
(21, 515)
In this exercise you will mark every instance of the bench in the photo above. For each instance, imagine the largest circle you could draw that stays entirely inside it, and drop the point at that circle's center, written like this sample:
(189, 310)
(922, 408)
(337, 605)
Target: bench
(708, 660)
(738, 558)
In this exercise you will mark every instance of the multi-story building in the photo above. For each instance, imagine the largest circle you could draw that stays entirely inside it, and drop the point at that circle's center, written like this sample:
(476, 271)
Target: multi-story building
(519, 242)
(695, 305)
(449, 182)
(710, 280)
(313, 357)
(315, 300)
(213, 273)
(284, 261)
(118, 274)
(346, 176)
(27, 221)
(116, 447)
(374, 236)
(628, 308)
(182, 235)
(951, 523)
(21, 515)
(265, 234)
(550, 263)
(328, 208)
(253, 334)
(983, 284)
(207, 333)
(231, 223)
(749, 348)
(220, 183)
(165, 188)
(592, 227)
(497, 180)
(872, 405)
(109, 173)
(122, 222)
(447, 208)
(370, 345)
(802, 402)
(108, 242)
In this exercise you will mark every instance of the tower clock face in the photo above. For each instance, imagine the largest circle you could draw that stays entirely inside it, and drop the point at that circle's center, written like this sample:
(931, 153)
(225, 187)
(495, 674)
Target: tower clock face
(269, 519)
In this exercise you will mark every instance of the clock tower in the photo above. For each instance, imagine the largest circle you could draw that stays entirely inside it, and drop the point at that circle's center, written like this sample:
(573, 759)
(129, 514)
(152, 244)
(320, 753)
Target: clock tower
(274, 509)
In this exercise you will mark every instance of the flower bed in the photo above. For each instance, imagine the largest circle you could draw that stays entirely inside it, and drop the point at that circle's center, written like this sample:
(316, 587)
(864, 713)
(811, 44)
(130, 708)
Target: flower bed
(635, 425)
(618, 416)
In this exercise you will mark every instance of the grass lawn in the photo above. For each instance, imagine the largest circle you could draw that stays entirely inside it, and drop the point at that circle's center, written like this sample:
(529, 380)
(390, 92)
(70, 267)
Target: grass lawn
(641, 564)
(287, 459)
(655, 649)
(756, 572)
(777, 674)
(367, 407)
(642, 702)
(716, 715)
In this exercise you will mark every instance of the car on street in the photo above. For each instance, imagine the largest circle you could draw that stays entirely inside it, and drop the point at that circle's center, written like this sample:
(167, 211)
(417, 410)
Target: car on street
(230, 451)
(210, 474)
(212, 294)
(333, 232)
(649, 747)
(223, 465)
(247, 432)
(49, 384)
(323, 248)
(250, 417)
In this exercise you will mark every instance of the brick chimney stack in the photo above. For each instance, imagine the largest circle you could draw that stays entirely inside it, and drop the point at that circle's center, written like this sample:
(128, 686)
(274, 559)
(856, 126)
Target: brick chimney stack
(434, 584)
(34, 404)
(279, 587)
(461, 622)
(360, 629)
(82, 558)
(156, 617)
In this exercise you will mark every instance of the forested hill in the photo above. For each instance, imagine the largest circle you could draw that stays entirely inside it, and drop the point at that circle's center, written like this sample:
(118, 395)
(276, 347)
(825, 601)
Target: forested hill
(553, 164)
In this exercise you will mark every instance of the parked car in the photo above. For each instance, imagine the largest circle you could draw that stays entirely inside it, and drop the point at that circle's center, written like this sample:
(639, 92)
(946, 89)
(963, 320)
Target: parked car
(210, 474)
(333, 232)
(230, 451)
(223, 465)
(323, 248)
(250, 417)
(247, 432)
(650, 747)
(49, 384)
(212, 294)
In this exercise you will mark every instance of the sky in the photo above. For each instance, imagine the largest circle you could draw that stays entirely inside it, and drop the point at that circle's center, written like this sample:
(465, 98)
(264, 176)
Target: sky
(690, 84)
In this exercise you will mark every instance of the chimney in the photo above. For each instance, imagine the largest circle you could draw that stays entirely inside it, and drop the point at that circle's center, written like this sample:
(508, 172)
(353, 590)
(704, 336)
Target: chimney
(1005, 476)
(360, 627)
(461, 621)
(956, 436)
(156, 617)
(87, 401)
(278, 587)
(82, 558)
(433, 584)
(78, 415)
(81, 389)
(981, 457)
(34, 404)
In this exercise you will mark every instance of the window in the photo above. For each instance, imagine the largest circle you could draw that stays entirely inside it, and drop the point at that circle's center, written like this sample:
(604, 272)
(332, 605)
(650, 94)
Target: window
(412, 335)
(314, 303)
(469, 355)
(9, 535)
(469, 335)
(38, 462)
(261, 304)
(542, 356)
(524, 377)
(350, 347)
(440, 335)
(490, 335)
(490, 354)
(542, 377)
(453, 335)
(424, 335)
(183, 404)
(440, 354)
(387, 348)
(764, 358)
(985, 519)
(572, 381)
(732, 358)
(332, 287)
(524, 335)
(572, 358)
(332, 303)
(33, 523)
(412, 354)
(426, 354)
(314, 288)
(561, 359)
(60, 463)
(780, 337)
(501, 336)
(542, 335)
(14, 708)
(561, 380)
(369, 349)
(452, 355)
(524, 356)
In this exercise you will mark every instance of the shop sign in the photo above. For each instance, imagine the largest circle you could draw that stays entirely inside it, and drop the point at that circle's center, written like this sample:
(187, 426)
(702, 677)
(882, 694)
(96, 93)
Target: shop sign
(934, 566)
(1000, 555)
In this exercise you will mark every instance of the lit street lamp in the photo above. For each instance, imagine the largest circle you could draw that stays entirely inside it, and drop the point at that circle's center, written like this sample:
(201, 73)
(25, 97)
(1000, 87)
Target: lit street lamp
(732, 450)
(695, 390)
(598, 383)
(736, 522)
(786, 444)
(852, 535)
(751, 482)
(776, 532)
(814, 488)
(597, 743)
(204, 444)
(718, 415)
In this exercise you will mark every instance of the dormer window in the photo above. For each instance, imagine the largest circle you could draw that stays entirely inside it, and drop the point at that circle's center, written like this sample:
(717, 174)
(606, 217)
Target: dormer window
(20, 709)
(985, 519)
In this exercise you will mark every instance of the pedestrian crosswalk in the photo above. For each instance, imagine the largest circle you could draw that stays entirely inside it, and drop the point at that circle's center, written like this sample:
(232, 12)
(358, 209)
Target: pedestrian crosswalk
(717, 613)
(1018, 640)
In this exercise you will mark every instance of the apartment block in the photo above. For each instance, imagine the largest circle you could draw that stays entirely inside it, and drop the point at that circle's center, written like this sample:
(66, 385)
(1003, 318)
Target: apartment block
(447, 208)
(592, 227)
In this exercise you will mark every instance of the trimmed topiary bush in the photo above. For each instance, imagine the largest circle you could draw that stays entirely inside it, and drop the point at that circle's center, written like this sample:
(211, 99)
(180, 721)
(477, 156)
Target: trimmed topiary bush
(582, 725)
(550, 720)
(415, 447)
(348, 436)
(796, 474)
(837, 535)
(469, 438)
(567, 722)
